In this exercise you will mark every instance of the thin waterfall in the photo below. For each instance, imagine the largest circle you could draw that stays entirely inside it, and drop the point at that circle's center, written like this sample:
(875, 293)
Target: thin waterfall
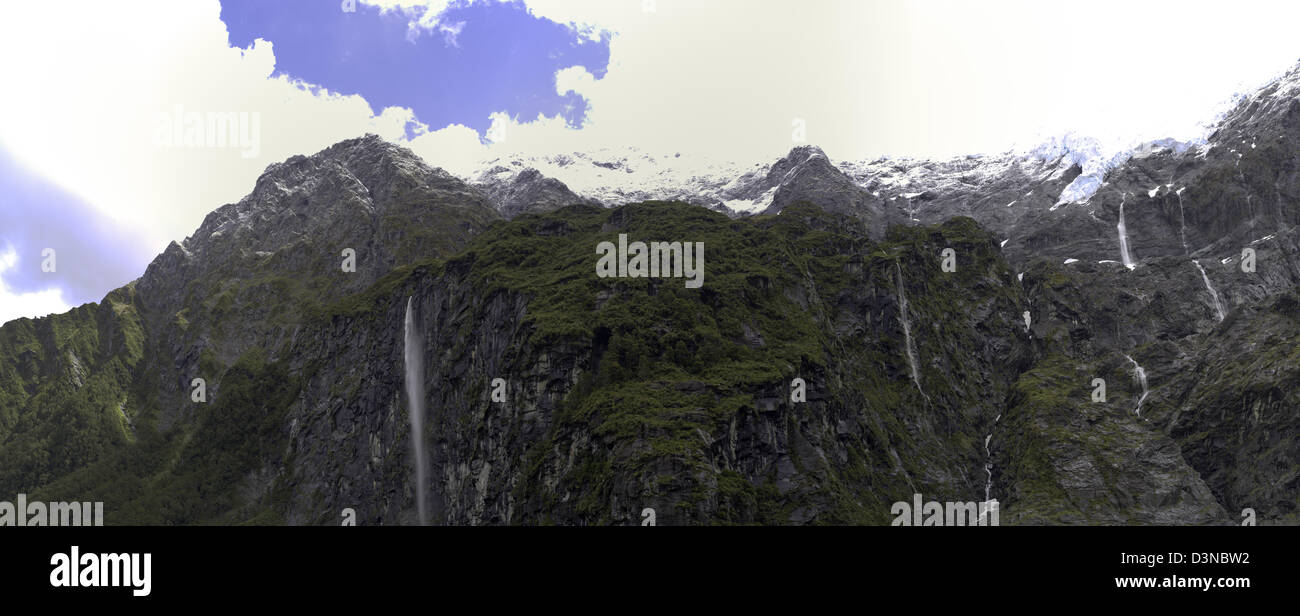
(415, 405)
(988, 469)
(1142, 379)
(1123, 236)
(1182, 219)
(1250, 208)
(1218, 306)
(907, 330)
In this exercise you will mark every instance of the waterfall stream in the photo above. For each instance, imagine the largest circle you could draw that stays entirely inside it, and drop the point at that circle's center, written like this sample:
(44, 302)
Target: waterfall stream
(1123, 236)
(907, 331)
(1218, 306)
(1182, 219)
(1250, 208)
(988, 469)
(415, 405)
(1142, 379)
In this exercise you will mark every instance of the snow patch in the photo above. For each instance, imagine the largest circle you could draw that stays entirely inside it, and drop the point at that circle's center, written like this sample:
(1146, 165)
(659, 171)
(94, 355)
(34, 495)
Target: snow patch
(752, 206)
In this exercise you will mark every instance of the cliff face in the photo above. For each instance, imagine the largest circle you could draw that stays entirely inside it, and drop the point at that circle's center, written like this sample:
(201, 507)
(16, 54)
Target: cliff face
(313, 229)
(865, 339)
(643, 393)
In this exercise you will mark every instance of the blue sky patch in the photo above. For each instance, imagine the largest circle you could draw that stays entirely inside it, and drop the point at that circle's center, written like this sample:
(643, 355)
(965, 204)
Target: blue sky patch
(93, 255)
(482, 58)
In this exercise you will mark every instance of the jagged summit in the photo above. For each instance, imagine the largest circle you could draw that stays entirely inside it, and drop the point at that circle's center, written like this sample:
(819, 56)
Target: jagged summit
(356, 182)
(514, 192)
(366, 200)
(614, 177)
(806, 174)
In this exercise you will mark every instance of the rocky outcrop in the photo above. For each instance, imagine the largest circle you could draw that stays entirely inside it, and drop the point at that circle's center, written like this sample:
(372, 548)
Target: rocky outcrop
(525, 192)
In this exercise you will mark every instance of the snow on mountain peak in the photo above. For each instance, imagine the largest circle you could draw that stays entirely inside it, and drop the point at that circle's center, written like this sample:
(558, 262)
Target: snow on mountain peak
(617, 176)
(613, 176)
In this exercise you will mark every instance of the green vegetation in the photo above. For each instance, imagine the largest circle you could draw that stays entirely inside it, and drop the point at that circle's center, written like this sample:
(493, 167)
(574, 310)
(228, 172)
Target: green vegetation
(64, 384)
(673, 369)
(204, 473)
(669, 380)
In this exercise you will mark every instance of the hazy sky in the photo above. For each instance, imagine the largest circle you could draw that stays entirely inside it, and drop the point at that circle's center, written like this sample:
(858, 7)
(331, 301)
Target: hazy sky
(88, 85)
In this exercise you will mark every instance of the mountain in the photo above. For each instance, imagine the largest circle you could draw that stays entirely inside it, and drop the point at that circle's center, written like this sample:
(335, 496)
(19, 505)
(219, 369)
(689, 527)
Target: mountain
(617, 177)
(948, 321)
(514, 192)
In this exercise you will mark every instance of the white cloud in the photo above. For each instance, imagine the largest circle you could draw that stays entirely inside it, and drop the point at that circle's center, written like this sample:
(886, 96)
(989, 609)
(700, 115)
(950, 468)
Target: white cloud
(15, 305)
(450, 32)
(456, 148)
(575, 79)
(425, 16)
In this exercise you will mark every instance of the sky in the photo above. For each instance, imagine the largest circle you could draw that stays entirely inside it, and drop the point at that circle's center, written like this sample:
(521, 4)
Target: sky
(92, 164)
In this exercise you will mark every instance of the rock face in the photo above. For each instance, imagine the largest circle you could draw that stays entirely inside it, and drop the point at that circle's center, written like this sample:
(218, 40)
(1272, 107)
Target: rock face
(865, 332)
(600, 420)
(250, 274)
(525, 192)
(807, 175)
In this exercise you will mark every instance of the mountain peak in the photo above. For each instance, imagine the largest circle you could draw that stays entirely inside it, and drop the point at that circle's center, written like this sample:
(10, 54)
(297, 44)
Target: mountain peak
(524, 191)
(805, 152)
(378, 199)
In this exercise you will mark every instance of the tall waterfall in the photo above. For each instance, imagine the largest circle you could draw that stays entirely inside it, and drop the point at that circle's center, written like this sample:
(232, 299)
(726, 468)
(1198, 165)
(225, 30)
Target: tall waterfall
(1218, 306)
(1123, 236)
(907, 330)
(1142, 379)
(415, 405)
